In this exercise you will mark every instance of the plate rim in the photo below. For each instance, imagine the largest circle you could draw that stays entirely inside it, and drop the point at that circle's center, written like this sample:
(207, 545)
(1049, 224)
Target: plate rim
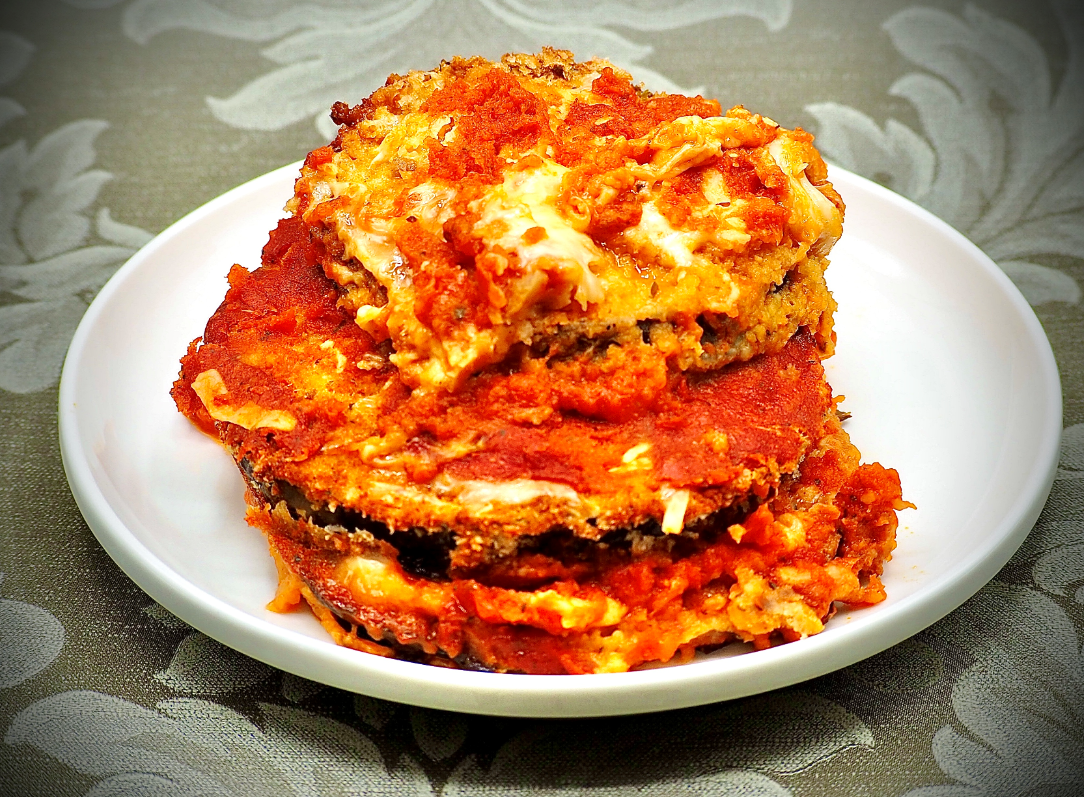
(604, 694)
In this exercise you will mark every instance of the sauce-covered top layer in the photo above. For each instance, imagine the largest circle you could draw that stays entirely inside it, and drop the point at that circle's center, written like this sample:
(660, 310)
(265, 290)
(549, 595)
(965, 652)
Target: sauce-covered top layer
(481, 205)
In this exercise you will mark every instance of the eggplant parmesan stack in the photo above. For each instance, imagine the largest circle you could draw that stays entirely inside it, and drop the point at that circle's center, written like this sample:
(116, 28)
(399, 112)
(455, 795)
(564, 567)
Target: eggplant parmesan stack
(530, 379)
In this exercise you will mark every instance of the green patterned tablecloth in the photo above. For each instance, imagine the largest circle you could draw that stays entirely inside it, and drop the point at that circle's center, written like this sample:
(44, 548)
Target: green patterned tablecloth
(117, 117)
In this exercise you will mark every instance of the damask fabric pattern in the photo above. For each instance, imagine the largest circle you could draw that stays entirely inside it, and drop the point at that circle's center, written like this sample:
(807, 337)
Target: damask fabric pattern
(119, 116)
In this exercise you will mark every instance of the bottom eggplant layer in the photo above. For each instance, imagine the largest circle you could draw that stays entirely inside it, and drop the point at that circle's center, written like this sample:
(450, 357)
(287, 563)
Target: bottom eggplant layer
(768, 575)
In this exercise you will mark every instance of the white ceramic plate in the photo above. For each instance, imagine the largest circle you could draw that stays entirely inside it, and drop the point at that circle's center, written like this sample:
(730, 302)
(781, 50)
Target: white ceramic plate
(947, 372)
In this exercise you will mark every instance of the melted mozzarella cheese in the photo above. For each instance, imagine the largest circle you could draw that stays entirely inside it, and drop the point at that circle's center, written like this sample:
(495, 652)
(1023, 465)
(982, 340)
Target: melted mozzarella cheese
(676, 502)
(525, 200)
(756, 607)
(516, 491)
(212, 391)
(674, 247)
(431, 204)
(677, 249)
(685, 142)
(813, 213)
(374, 578)
(373, 245)
(577, 613)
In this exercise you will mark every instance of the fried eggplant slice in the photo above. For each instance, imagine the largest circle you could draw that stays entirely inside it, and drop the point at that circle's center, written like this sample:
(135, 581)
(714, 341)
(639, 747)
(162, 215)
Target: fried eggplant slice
(315, 414)
(773, 573)
(542, 202)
